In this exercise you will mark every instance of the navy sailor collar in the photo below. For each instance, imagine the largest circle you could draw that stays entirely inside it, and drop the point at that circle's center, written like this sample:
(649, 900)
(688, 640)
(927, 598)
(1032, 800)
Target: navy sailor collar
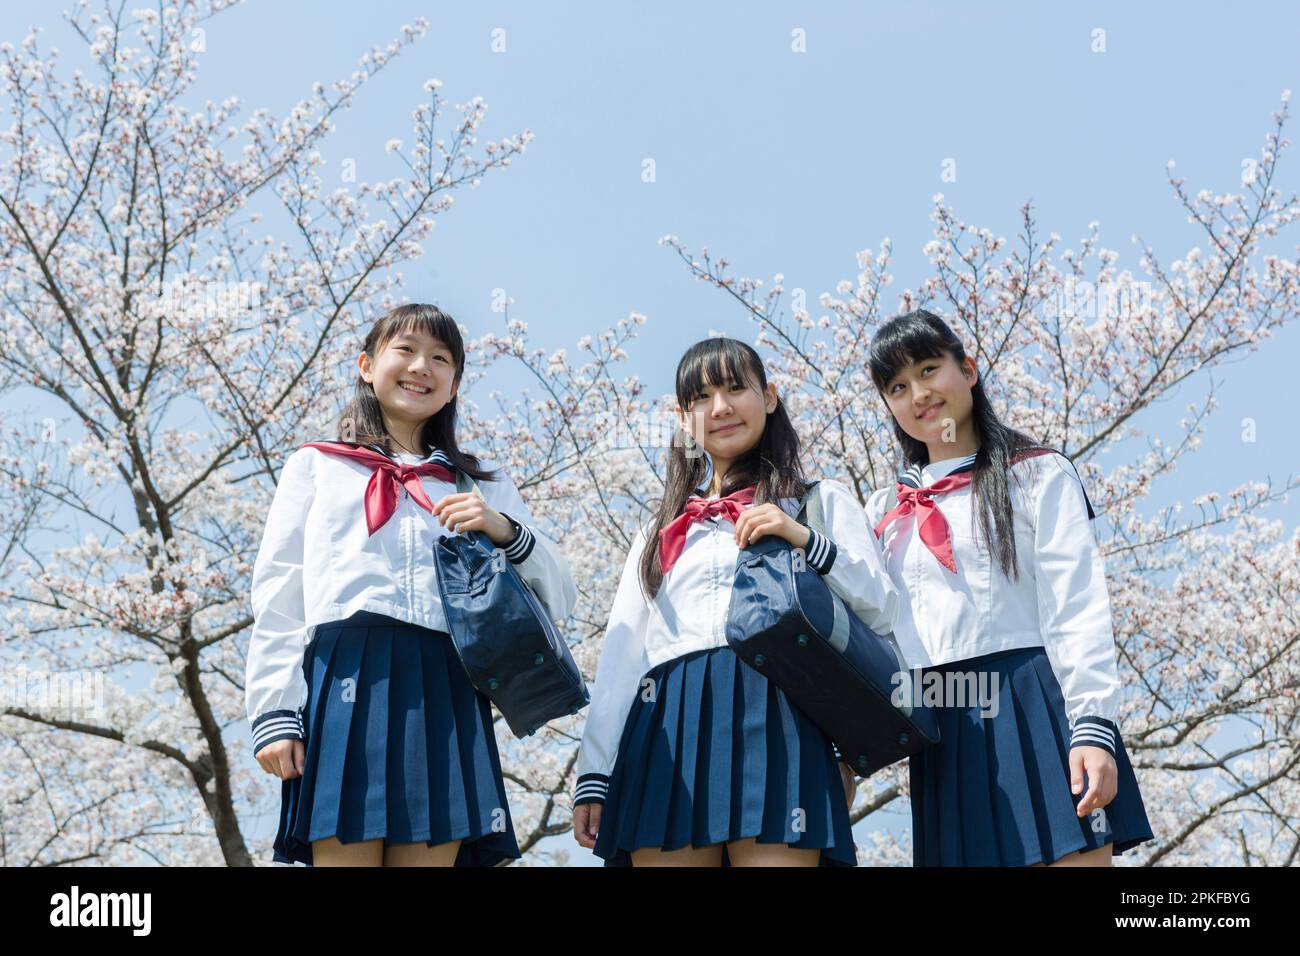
(437, 457)
(912, 476)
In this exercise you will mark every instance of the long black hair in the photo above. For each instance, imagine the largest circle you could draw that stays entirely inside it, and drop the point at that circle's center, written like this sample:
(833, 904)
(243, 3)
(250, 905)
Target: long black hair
(921, 335)
(772, 465)
(362, 422)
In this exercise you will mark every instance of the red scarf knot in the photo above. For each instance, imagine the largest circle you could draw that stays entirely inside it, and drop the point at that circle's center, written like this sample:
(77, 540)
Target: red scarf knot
(672, 539)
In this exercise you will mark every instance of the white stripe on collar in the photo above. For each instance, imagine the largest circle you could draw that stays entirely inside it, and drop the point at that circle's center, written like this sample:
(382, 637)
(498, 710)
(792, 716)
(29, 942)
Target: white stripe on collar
(437, 456)
(912, 475)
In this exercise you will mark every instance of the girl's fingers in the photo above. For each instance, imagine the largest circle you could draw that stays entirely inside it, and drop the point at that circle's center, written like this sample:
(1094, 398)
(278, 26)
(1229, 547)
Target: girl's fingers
(446, 500)
(455, 515)
(757, 528)
(454, 499)
(582, 825)
(1089, 801)
(1101, 785)
(285, 759)
(1111, 788)
(447, 511)
(266, 759)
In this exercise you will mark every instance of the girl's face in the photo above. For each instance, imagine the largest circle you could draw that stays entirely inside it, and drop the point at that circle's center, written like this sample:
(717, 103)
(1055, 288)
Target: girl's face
(414, 376)
(727, 420)
(931, 399)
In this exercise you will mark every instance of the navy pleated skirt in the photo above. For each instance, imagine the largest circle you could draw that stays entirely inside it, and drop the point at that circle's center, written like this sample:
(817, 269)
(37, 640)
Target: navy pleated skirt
(720, 754)
(399, 746)
(995, 790)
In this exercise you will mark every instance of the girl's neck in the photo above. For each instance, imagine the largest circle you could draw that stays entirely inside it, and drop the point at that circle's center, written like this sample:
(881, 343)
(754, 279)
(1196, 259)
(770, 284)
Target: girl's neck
(966, 443)
(951, 451)
(406, 438)
(719, 476)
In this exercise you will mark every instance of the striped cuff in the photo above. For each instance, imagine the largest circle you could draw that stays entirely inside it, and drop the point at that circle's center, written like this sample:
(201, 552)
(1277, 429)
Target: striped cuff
(820, 552)
(1090, 731)
(591, 788)
(276, 725)
(521, 545)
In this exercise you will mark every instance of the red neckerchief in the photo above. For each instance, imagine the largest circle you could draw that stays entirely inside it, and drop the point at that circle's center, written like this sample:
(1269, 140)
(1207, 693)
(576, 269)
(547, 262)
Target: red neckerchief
(931, 525)
(672, 539)
(386, 480)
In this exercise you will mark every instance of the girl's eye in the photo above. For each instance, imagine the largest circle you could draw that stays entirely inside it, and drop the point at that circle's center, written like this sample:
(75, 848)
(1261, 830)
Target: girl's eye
(896, 385)
(407, 347)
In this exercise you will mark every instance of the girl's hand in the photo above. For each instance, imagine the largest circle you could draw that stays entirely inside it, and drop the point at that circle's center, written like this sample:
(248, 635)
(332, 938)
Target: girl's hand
(284, 758)
(586, 823)
(1103, 778)
(466, 511)
(758, 520)
(850, 783)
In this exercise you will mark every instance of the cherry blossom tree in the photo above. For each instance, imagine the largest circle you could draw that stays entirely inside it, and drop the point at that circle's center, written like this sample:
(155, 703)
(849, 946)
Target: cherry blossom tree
(1075, 350)
(179, 355)
(138, 298)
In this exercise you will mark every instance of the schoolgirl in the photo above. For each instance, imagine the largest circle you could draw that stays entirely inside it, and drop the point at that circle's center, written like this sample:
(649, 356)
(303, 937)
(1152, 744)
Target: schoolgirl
(1038, 774)
(356, 696)
(689, 756)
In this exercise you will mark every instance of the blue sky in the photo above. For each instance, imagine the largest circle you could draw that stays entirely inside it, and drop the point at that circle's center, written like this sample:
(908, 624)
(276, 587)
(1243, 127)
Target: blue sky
(792, 162)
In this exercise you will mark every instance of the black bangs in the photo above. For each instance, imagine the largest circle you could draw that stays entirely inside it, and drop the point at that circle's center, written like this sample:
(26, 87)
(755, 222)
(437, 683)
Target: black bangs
(428, 319)
(713, 362)
(902, 341)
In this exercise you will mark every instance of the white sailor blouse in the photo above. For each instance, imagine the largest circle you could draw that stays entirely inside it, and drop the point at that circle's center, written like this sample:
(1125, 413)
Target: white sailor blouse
(1060, 601)
(689, 613)
(319, 563)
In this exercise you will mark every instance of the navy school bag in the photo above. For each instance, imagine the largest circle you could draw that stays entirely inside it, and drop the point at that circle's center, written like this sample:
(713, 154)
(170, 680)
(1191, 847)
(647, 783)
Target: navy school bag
(785, 621)
(507, 641)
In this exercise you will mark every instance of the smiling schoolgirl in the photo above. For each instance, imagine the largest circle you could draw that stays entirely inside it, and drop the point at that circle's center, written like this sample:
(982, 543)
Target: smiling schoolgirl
(356, 696)
(1044, 779)
(689, 753)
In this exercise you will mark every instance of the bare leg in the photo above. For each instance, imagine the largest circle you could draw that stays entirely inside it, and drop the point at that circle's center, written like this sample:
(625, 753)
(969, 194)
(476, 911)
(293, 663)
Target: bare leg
(421, 854)
(1098, 857)
(749, 852)
(330, 852)
(686, 856)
